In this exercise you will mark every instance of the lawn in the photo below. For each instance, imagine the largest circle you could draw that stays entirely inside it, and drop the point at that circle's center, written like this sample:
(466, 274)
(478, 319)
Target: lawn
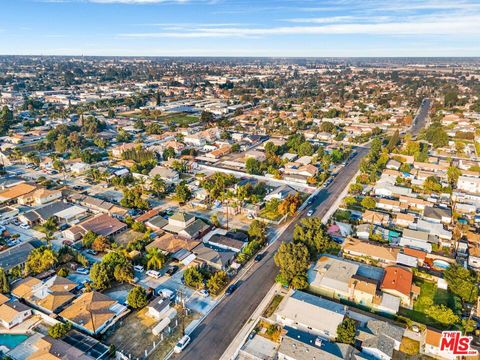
(429, 290)
(180, 119)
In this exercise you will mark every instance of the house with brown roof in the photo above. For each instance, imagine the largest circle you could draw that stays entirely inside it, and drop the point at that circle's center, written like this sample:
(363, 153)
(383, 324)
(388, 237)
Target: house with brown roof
(375, 217)
(430, 345)
(102, 224)
(49, 296)
(48, 348)
(13, 313)
(14, 192)
(398, 281)
(171, 243)
(404, 220)
(39, 197)
(94, 312)
(369, 251)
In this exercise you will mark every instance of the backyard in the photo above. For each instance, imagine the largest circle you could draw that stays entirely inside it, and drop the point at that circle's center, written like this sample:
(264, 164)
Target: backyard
(429, 290)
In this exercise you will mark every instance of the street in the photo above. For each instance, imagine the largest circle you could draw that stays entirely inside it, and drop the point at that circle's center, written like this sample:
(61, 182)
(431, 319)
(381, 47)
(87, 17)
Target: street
(212, 337)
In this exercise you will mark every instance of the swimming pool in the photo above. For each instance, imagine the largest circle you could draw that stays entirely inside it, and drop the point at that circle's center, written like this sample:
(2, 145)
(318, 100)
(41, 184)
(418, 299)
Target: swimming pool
(440, 264)
(12, 340)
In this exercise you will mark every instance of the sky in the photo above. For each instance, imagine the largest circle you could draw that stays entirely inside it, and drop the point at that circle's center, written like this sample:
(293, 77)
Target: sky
(277, 28)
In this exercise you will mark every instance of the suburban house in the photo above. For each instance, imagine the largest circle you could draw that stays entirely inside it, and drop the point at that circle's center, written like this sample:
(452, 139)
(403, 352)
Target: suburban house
(39, 197)
(437, 214)
(312, 314)
(93, 312)
(165, 173)
(49, 296)
(225, 241)
(280, 193)
(296, 344)
(417, 240)
(158, 308)
(15, 256)
(464, 183)
(375, 217)
(186, 225)
(13, 313)
(219, 259)
(63, 212)
(367, 250)
(101, 224)
(398, 281)
(171, 243)
(380, 339)
(13, 193)
(348, 280)
(430, 345)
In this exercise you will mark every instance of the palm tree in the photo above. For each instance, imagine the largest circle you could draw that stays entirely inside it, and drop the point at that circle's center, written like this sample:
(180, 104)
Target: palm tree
(155, 259)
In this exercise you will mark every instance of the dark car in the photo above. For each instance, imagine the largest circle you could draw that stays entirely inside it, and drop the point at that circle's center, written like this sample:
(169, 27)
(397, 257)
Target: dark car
(231, 289)
(171, 271)
(259, 257)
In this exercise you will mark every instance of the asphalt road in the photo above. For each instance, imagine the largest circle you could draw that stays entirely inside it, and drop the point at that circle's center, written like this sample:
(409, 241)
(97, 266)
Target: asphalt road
(212, 337)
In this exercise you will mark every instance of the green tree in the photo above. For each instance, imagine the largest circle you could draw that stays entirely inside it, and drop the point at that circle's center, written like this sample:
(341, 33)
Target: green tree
(207, 116)
(292, 260)
(432, 184)
(59, 330)
(257, 231)
(168, 153)
(311, 232)
(41, 259)
(182, 192)
(100, 276)
(462, 282)
(346, 331)
(217, 282)
(442, 314)
(101, 244)
(88, 239)
(155, 259)
(193, 277)
(4, 283)
(137, 297)
(368, 202)
(453, 174)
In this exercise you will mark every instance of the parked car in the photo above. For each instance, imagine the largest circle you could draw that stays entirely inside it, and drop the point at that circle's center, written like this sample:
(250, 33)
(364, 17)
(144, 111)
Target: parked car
(231, 289)
(259, 257)
(67, 242)
(82, 271)
(154, 274)
(310, 212)
(204, 293)
(91, 252)
(182, 344)
(24, 226)
(172, 270)
(138, 268)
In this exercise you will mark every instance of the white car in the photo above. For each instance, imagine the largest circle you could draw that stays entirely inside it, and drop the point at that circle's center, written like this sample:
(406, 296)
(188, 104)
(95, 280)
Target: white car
(182, 344)
(82, 271)
(154, 274)
(24, 226)
(310, 212)
(138, 268)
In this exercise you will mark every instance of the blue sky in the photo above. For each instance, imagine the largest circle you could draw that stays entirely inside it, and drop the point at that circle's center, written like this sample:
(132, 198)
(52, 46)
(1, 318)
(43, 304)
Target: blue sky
(241, 27)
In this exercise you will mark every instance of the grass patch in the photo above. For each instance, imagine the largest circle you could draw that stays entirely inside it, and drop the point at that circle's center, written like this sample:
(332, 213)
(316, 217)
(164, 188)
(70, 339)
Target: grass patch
(180, 119)
(429, 290)
(270, 215)
(272, 306)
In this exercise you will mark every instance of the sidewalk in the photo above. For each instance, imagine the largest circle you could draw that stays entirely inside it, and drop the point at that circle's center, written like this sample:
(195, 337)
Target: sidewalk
(232, 351)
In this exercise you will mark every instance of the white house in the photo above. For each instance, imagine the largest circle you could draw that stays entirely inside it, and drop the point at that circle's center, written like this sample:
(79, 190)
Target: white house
(13, 313)
(469, 184)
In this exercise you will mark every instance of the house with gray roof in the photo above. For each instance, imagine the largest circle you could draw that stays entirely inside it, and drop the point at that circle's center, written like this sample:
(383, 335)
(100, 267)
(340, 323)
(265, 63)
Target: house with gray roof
(380, 338)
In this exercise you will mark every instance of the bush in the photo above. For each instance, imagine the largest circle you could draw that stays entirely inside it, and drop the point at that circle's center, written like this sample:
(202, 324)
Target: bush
(137, 297)
(59, 330)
